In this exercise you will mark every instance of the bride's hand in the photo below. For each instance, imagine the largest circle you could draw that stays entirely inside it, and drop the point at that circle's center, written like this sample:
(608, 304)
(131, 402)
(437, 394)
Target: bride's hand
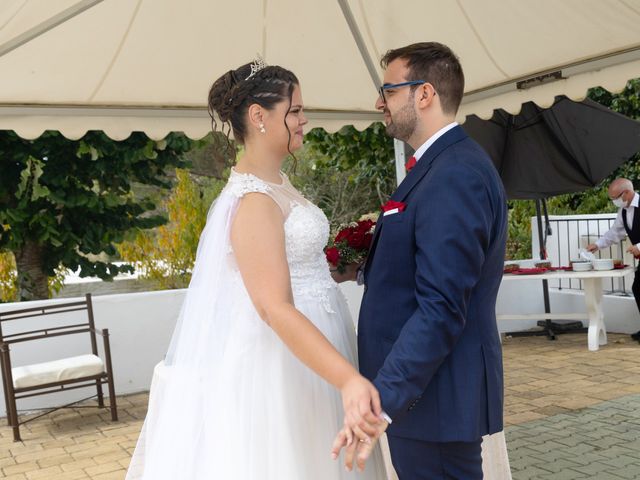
(350, 273)
(362, 408)
(355, 448)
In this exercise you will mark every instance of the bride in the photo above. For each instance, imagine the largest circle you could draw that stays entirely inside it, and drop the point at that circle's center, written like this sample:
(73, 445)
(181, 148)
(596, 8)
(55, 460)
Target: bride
(260, 371)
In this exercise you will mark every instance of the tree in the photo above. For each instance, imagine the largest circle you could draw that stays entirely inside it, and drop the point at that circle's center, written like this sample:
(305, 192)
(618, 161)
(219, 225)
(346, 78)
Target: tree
(347, 173)
(167, 253)
(64, 202)
(7, 277)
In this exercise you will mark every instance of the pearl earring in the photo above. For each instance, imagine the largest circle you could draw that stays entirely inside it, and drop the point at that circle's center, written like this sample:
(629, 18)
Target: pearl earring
(262, 130)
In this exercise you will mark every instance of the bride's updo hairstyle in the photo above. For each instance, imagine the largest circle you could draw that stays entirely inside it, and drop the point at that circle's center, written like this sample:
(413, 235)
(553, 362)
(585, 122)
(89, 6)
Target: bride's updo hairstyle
(233, 93)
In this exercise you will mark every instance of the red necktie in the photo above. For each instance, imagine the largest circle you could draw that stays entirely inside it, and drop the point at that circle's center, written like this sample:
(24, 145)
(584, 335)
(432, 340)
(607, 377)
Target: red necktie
(410, 164)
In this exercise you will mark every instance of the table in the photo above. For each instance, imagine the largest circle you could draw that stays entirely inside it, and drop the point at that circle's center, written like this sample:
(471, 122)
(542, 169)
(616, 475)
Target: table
(597, 334)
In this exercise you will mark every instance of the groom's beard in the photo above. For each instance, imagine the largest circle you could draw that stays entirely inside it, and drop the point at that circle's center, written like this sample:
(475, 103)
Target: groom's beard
(402, 124)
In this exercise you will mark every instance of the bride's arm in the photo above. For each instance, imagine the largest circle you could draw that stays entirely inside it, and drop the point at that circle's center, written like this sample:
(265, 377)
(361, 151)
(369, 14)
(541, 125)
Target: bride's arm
(258, 241)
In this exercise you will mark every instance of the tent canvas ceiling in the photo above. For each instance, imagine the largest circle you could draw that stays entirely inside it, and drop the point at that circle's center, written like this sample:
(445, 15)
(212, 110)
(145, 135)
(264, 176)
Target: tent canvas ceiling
(125, 65)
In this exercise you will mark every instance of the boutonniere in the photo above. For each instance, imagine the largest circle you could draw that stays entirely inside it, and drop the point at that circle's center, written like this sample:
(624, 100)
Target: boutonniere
(392, 207)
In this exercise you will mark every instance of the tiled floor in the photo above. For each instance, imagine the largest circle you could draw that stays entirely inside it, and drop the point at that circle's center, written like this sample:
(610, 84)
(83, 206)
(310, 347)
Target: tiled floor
(600, 442)
(570, 413)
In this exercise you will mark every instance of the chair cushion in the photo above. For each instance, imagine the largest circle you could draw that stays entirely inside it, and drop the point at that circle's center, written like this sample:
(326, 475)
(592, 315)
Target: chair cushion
(57, 371)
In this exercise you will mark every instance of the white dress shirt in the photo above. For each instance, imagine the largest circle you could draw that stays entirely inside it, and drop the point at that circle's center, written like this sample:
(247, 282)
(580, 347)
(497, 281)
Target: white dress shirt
(431, 140)
(617, 231)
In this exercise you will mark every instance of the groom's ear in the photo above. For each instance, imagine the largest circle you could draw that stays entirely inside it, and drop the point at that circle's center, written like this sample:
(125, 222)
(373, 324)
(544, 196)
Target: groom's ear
(254, 115)
(425, 95)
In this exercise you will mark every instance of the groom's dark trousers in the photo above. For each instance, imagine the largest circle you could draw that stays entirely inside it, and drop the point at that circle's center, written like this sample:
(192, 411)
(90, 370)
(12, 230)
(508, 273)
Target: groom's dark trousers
(419, 460)
(427, 332)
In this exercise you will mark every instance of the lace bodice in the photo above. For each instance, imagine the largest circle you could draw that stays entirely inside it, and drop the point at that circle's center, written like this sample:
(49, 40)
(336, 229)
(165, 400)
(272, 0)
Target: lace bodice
(306, 233)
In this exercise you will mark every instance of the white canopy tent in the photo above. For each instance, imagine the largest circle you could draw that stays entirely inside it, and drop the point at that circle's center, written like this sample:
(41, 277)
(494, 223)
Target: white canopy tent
(146, 65)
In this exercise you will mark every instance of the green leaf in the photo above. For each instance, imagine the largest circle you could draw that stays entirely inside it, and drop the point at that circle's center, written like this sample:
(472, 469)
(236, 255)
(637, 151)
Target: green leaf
(149, 150)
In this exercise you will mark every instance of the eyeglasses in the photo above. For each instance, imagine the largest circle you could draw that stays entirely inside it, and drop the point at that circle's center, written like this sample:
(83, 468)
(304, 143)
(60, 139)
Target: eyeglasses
(387, 86)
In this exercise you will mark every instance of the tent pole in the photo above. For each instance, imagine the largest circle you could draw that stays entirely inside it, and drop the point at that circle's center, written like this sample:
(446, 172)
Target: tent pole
(400, 155)
(362, 47)
(401, 151)
(47, 25)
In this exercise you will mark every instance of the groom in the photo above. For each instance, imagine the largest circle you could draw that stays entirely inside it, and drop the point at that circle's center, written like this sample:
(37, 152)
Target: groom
(427, 333)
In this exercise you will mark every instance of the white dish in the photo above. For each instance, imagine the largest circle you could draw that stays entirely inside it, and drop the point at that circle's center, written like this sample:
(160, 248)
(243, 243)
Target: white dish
(602, 264)
(581, 266)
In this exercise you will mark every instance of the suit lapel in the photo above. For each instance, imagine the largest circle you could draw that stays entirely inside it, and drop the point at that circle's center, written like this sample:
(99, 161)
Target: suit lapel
(426, 161)
(412, 179)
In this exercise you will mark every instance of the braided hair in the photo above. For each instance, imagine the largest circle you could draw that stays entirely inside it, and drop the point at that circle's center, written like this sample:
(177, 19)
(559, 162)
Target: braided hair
(233, 93)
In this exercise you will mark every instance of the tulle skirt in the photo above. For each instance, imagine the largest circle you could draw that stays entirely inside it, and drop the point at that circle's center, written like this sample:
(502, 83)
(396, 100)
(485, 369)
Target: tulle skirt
(259, 414)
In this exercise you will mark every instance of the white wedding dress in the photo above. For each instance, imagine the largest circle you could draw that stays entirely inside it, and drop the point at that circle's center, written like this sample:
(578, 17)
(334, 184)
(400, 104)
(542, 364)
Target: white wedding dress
(233, 402)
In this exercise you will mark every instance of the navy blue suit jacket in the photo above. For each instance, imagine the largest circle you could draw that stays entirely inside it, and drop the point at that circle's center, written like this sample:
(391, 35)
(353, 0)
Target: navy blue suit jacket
(427, 333)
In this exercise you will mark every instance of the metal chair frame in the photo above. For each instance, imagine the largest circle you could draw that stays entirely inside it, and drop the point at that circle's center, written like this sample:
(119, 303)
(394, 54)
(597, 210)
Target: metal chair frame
(12, 394)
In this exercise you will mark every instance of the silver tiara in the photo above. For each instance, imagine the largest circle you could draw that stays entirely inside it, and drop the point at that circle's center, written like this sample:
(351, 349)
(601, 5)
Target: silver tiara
(257, 65)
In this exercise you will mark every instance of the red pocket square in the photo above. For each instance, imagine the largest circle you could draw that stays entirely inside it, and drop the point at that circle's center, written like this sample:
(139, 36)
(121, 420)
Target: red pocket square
(392, 204)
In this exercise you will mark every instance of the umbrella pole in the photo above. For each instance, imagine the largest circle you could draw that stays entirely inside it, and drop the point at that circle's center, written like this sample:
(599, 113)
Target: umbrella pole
(549, 328)
(552, 328)
(542, 242)
(546, 325)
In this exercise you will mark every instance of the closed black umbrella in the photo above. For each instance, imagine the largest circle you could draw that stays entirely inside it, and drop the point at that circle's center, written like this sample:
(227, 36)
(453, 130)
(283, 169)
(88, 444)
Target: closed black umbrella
(543, 152)
(567, 148)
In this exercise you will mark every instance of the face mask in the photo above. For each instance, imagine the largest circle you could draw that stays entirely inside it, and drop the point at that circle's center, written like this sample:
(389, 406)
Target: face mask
(619, 202)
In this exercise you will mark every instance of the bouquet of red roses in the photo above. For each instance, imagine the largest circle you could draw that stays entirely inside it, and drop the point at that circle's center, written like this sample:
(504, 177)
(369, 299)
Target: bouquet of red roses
(351, 244)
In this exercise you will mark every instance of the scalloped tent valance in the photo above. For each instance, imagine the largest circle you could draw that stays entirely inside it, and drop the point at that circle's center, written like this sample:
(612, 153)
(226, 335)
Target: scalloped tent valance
(146, 65)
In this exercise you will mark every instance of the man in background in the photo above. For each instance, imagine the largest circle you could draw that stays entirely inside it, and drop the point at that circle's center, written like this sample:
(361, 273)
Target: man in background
(627, 223)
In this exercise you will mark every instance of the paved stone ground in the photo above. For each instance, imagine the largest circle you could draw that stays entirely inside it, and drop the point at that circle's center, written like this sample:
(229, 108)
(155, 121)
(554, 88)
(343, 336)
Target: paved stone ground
(601, 442)
(74, 444)
(569, 413)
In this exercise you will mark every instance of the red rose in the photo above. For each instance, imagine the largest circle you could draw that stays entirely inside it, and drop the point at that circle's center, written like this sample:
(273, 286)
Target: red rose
(356, 240)
(365, 225)
(333, 255)
(351, 245)
(343, 234)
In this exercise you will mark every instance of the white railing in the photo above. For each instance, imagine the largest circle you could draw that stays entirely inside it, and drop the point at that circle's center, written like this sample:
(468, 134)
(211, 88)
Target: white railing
(570, 233)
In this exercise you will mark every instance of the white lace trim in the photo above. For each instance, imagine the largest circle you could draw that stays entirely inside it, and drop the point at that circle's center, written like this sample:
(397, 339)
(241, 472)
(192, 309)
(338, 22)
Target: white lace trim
(242, 183)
